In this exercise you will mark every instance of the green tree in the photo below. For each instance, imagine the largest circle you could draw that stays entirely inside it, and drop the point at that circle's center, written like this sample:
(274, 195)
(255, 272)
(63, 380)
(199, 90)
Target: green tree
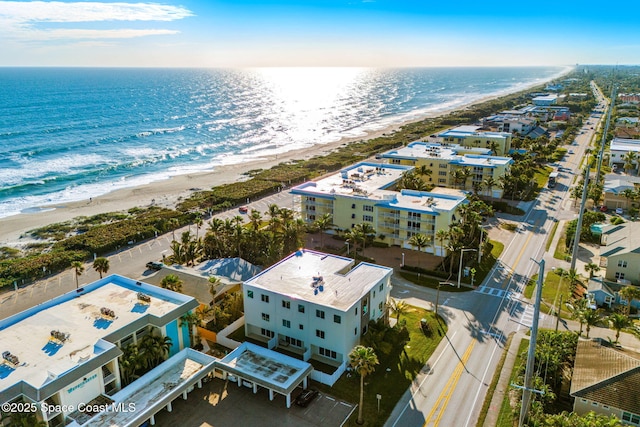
(101, 265)
(171, 282)
(618, 322)
(324, 223)
(398, 307)
(591, 318)
(592, 268)
(419, 241)
(78, 269)
(629, 293)
(363, 361)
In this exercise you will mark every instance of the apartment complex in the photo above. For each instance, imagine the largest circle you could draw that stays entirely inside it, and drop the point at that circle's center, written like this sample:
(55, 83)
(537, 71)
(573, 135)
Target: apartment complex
(315, 304)
(472, 136)
(362, 193)
(63, 354)
(443, 160)
(619, 149)
(620, 253)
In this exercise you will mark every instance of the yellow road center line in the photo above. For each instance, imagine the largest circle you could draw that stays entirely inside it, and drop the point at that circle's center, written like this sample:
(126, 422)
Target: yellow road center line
(515, 264)
(448, 389)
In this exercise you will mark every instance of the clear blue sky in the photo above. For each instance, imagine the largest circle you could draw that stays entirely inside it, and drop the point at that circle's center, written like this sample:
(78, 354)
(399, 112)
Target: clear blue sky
(382, 33)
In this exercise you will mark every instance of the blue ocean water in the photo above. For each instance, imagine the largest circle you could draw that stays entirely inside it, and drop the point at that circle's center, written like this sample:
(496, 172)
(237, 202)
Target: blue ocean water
(67, 134)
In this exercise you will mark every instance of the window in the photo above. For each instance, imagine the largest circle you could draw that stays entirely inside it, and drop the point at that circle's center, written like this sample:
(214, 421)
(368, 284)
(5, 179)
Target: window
(634, 419)
(312, 217)
(442, 180)
(286, 323)
(265, 317)
(367, 218)
(413, 224)
(622, 264)
(355, 331)
(301, 326)
(353, 216)
(300, 308)
(415, 215)
(327, 353)
(619, 275)
(395, 161)
(356, 311)
(293, 341)
(320, 314)
(442, 173)
(337, 319)
(319, 333)
(381, 287)
(353, 206)
(250, 294)
(311, 199)
(442, 165)
(264, 298)
(267, 333)
(374, 293)
(380, 306)
(367, 208)
(286, 304)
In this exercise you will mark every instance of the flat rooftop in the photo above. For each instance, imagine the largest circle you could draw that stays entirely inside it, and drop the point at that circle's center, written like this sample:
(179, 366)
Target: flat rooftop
(268, 368)
(364, 181)
(154, 390)
(468, 130)
(342, 284)
(430, 150)
(27, 335)
(620, 144)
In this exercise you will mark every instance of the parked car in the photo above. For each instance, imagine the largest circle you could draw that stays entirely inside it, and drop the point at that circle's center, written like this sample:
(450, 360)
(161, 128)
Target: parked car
(603, 208)
(153, 265)
(619, 211)
(306, 397)
(243, 209)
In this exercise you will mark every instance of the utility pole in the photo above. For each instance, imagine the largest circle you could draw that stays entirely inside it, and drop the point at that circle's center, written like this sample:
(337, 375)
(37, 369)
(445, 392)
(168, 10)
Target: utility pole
(558, 313)
(605, 131)
(531, 355)
(576, 240)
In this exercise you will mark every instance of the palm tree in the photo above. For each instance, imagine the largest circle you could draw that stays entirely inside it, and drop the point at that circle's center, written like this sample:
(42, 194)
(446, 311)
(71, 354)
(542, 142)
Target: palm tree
(592, 268)
(628, 194)
(630, 159)
(198, 223)
(629, 293)
(574, 278)
(591, 318)
(578, 308)
(175, 223)
(324, 223)
(365, 232)
(618, 321)
(101, 265)
(171, 282)
(363, 361)
(441, 236)
(489, 183)
(255, 219)
(419, 241)
(398, 307)
(214, 282)
(79, 269)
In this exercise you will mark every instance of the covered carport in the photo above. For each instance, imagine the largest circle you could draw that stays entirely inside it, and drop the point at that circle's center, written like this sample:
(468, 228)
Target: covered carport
(257, 366)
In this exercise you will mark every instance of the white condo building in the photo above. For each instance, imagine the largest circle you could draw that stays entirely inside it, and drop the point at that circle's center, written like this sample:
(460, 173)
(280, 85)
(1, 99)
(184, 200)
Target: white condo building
(316, 305)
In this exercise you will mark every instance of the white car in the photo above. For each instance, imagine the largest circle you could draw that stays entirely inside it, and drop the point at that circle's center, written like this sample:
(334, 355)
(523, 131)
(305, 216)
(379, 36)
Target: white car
(619, 211)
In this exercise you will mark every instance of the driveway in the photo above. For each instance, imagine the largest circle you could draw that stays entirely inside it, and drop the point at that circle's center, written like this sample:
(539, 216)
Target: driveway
(221, 404)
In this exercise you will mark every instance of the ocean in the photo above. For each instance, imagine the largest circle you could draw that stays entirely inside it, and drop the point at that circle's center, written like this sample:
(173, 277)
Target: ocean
(67, 134)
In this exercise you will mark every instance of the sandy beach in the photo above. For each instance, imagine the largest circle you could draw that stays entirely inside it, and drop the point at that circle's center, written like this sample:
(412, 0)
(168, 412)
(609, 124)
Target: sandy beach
(168, 192)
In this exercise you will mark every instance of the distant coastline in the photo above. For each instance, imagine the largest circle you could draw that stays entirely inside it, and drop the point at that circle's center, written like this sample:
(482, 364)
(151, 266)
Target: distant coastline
(169, 192)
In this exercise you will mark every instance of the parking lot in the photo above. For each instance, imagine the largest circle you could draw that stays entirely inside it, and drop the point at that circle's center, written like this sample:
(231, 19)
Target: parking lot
(221, 404)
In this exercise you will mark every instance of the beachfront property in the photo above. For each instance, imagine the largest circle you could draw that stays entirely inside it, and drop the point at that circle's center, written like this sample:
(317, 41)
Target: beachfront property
(545, 100)
(315, 305)
(473, 136)
(614, 190)
(541, 113)
(362, 193)
(443, 160)
(65, 353)
(620, 253)
(618, 150)
(510, 123)
(605, 380)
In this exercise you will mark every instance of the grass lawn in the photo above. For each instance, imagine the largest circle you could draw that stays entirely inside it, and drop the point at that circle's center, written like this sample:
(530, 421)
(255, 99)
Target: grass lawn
(553, 233)
(554, 286)
(403, 366)
(481, 272)
(506, 417)
(561, 250)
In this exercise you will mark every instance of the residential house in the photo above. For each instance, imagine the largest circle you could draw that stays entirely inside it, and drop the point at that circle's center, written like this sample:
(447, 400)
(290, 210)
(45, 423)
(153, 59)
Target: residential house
(620, 253)
(619, 148)
(614, 187)
(606, 381)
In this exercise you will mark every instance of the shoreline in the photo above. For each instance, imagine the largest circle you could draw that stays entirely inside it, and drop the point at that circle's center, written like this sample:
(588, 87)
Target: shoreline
(168, 192)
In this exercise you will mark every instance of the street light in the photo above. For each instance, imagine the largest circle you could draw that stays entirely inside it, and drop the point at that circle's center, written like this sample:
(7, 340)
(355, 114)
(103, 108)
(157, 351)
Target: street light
(480, 244)
(462, 251)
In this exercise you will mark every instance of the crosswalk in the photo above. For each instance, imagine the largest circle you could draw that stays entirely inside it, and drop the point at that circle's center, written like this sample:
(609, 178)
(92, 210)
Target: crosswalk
(493, 291)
